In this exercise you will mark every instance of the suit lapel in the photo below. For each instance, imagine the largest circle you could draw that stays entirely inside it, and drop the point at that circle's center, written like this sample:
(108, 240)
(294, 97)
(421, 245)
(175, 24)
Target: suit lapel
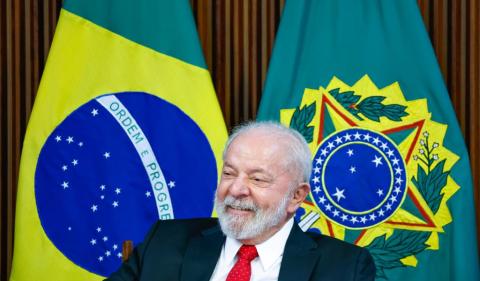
(299, 257)
(202, 255)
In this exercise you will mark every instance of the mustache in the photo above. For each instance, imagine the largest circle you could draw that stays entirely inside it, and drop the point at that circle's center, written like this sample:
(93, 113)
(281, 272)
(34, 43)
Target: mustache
(241, 204)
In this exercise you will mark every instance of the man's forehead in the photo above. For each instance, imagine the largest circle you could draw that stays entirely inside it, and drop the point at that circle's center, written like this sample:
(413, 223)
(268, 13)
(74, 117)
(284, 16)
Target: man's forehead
(258, 144)
(263, 139)
(258, 152)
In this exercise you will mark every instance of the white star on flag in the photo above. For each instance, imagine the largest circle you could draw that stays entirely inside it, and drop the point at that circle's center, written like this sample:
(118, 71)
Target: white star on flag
(398, 180)
(339, 194)
(390, 153)
(171, 184)
(330, 145)
(380, 192)
(106, 155)
(94, 112)
(395, 161)
(70, 140)
(397, 190)
(384, 145)
(377, 161)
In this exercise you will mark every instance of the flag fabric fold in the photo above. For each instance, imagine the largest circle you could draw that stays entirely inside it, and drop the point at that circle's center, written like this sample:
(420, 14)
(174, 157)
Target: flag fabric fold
(360, 81)
(126, 129)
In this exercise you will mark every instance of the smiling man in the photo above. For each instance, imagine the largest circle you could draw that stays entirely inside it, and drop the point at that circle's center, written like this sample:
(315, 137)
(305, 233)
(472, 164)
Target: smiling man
(264, 180)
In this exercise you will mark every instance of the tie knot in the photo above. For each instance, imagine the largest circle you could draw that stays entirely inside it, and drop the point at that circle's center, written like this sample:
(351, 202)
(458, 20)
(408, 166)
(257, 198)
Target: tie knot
(247, 252)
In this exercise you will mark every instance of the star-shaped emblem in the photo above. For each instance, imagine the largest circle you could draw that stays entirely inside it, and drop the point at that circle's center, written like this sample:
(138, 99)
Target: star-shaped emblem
(344, 121)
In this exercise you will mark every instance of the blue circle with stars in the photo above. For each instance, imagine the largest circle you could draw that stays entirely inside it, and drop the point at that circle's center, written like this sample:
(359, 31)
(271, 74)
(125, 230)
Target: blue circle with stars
(358, 178)
(92, 189)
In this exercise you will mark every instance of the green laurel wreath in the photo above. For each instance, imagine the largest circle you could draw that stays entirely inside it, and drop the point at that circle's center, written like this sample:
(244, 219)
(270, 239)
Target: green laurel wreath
(387, 253)
(300, 120)
(371, 108)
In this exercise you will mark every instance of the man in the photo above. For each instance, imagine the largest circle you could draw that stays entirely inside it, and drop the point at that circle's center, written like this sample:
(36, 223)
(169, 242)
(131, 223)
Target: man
(264, 180)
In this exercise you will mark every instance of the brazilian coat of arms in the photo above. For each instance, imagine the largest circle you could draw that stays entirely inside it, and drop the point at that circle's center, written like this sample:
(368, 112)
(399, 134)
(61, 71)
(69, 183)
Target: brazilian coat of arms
(380, 176)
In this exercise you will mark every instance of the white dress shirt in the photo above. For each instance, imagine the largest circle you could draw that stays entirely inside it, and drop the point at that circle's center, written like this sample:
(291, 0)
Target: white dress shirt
(265, 267)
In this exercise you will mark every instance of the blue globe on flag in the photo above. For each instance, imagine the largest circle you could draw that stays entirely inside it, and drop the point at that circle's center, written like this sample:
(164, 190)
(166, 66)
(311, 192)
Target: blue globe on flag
(358, 178)
(112, 168)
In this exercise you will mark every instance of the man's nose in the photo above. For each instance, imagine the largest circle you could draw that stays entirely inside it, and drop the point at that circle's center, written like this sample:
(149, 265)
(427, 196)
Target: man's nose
(239, 187)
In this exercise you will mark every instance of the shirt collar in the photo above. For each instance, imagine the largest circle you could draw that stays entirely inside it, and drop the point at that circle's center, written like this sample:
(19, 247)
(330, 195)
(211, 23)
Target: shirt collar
(268, 251)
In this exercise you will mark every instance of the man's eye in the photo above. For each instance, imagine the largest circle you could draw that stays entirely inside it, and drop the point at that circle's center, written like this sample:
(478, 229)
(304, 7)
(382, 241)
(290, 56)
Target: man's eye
(259, 180)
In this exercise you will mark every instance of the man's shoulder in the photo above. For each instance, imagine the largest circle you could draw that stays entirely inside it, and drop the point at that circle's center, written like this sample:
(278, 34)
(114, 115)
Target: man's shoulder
(332, 245)
(180, 227)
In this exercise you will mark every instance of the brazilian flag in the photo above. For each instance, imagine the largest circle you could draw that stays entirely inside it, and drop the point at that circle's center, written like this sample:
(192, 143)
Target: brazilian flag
(360, 81)
(126, 129)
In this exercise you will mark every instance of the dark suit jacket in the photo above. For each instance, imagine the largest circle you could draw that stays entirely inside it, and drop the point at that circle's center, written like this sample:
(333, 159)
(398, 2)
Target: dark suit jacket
(188, 250)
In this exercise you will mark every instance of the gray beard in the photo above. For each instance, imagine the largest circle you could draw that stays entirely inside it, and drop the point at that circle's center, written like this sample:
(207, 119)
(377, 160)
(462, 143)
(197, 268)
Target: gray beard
(241, 228)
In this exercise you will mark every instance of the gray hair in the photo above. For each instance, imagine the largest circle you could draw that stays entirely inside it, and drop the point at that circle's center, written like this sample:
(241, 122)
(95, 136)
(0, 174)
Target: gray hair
(297, 150)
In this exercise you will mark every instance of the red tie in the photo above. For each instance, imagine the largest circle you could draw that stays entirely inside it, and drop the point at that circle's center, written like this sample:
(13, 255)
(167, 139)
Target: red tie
(242, 270)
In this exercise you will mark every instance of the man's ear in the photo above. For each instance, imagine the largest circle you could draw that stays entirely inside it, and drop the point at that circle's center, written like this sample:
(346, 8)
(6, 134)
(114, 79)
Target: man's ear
(300, 194)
